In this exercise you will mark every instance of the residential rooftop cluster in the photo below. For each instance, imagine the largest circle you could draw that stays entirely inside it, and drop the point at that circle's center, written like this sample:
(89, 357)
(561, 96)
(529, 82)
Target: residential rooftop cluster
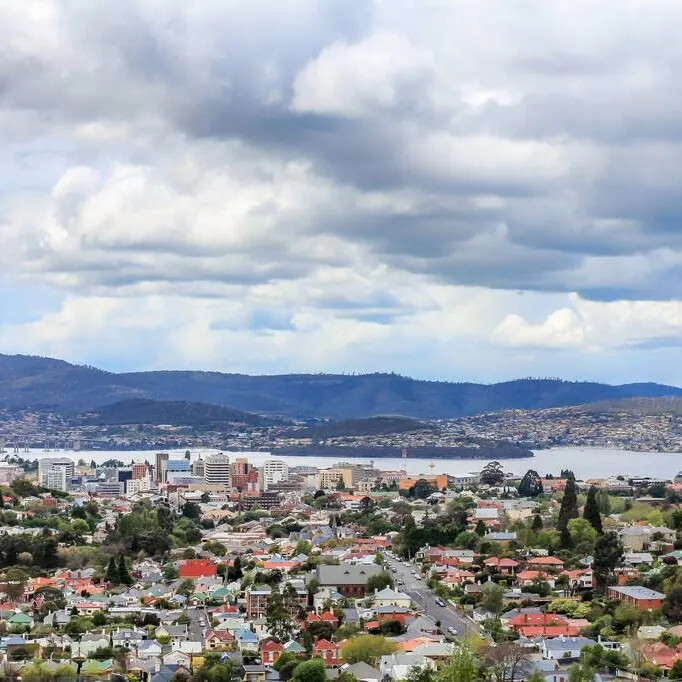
(233, 571)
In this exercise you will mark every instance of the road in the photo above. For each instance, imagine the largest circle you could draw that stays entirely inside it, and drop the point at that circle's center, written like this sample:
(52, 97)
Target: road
(197, 615)
(425, 599)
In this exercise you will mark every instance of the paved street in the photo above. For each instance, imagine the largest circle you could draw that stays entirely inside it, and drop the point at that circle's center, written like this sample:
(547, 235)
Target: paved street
(425, 599)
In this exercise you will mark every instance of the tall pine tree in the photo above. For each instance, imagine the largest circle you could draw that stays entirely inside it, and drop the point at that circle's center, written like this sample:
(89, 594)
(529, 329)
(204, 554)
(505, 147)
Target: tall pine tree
(569, 506)
(113, 575)
(123, 574)
(591, 511)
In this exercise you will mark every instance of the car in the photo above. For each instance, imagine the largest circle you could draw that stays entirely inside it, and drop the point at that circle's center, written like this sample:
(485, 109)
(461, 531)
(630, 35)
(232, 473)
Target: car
(440, 602)
(406, 563)
(452, 630)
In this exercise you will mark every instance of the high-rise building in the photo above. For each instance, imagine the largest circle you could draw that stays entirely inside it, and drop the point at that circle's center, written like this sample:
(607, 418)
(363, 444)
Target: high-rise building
(139, 470)
(46, 465)
(177, 465)
(161, 464)
(274, 471)
(243, 474)
(217, 471)
(198, 468)
(56, 479)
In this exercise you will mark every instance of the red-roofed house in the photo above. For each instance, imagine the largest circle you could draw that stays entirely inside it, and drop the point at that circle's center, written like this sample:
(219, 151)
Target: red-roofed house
(547, 624)
(327, 651)
(217, 640)
(581, 578)
(502, 565)
(529, 577)
(661, 655)
(197, 568)
(457, 577)
(547, 562)
(270, 651)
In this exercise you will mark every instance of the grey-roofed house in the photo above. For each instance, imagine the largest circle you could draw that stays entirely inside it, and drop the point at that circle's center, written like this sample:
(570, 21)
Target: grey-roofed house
(349, 579)
(363, 672)
(564, 648)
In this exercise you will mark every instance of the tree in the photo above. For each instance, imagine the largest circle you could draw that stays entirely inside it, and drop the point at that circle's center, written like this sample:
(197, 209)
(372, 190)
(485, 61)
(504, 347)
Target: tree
(284, 657)
(492, 598)
(480, 529)
(676, 670)
(492, 474)
(422, 489)
(340, 485)
(185, 588)
(531, 484)
(123, 574)
(367, 649)
(311, 671)
(13, 581)
(672, 604)
(591, 511)
(277, 617)
(112, 575)
(569, 506)
(287, 671)
(378, 582)
(418, 674)
(507, 662)
(583, 535)
(463, 666)
(191, 510)
(537, 523)
(607, 553)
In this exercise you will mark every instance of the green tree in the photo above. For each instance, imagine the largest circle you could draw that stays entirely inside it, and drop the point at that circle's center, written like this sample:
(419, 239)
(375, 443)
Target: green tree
(124, 576)
(676, 670)
(463, 666)
(531, 484)
(583, 535)
(287, 671)
(672, 605)
(277, 617)
(537, 523)
(492, 474)
(311, 671)
(185, 588)
(591, 511)
(378, 582)
(112, 575)
(367, 648)
(492, 598)
(284, 657)
(569, 506)
(607, 554)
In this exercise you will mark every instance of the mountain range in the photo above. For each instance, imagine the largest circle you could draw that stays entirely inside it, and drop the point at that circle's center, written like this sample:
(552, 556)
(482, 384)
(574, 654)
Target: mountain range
(29, 382)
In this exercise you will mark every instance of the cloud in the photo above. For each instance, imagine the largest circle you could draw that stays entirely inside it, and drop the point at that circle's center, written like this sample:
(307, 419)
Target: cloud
(369, 164)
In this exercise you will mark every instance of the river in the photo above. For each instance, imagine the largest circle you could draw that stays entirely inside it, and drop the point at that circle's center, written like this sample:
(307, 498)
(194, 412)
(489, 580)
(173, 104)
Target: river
(585, 462)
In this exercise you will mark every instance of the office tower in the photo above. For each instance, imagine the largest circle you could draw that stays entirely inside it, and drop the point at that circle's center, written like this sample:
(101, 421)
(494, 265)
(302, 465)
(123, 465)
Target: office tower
(139, 470)
(198, 468)
(217, 471)
(274, 471)
(124, 475)
(177, 465)
(161, 463)
(56, 479)
(46, 465)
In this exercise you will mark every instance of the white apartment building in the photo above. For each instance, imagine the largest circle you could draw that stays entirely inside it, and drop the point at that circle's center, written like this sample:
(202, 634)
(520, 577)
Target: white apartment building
(47, 465)
(8, 472)
(138, 485)
(217, 471)
(56, 479)
(274, 471)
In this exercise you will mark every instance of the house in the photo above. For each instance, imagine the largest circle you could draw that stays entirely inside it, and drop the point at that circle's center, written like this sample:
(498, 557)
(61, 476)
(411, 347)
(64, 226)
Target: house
(327, 651)
(650, 632)
(389, 597)
(362, 672)
(174, 633)
(398, 666)
(254, 673)
(196, 568)
(527, 578)
(326, 594)
(90, 642)
(149, 648)
(542, 625)
(661, 655)
(641, 597)
(246, 640)
(579, 579)
(564, 648)
(546, 563)
(502, 565)
(348, 579)
(168, 672)
(219, 640)
(294, 648)
(270, 651)
(638, 559)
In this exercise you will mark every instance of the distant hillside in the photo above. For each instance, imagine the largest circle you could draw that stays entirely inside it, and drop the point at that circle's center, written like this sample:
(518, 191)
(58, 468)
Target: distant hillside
(175, 412)
(47, 383)
(373, 426)
(667, 405)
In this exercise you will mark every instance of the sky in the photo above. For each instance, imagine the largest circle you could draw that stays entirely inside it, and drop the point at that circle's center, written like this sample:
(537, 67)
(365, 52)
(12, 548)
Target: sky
(441, 188)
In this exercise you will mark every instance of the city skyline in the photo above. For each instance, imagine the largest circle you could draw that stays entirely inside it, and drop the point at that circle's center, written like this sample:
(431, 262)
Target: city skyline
(440, 189)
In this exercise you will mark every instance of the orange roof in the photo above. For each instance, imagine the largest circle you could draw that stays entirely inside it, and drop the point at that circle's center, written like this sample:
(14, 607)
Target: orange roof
(546, 561)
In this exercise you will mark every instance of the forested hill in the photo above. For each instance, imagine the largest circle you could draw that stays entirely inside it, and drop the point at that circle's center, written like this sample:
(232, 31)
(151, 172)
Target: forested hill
(34, 382)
